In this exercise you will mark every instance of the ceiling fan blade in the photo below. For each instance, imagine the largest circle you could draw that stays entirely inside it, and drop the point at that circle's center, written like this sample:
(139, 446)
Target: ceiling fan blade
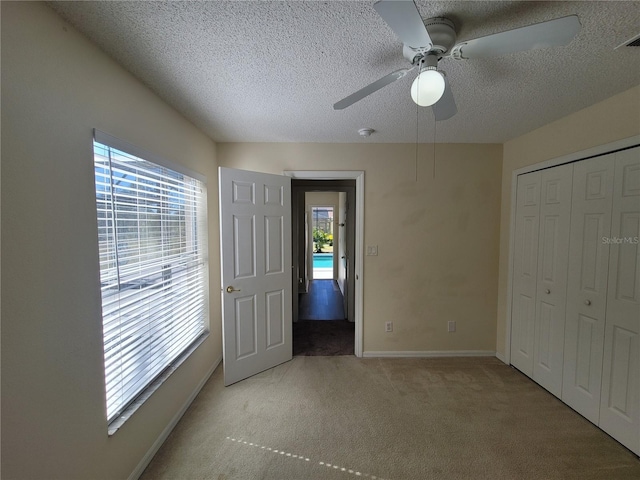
(371, 88)
(405, 21)
(445, 108)
(540, 35)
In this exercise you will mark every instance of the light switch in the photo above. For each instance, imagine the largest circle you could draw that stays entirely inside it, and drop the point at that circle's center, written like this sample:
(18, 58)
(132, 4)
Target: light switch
(372, 250)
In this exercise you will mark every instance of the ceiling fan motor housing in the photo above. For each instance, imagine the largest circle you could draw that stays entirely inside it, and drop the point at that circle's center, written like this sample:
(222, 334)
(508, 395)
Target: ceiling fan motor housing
(443, 35)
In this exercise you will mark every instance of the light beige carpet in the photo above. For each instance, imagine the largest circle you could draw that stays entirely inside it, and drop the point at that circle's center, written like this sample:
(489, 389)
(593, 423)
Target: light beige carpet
(346, 418)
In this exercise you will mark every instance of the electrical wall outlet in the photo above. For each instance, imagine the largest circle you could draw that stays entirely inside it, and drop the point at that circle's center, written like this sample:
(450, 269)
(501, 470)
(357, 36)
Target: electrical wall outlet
(372, 250)
(451, 326)
(388, 326)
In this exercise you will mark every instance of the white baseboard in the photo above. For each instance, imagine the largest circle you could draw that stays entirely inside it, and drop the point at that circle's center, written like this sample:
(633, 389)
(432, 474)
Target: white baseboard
(502, 358)
(174, 421)
(432, 353)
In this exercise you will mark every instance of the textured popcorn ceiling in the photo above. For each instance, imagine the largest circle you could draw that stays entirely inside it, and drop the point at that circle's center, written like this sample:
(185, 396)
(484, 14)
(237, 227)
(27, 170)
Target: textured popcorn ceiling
(270, 71)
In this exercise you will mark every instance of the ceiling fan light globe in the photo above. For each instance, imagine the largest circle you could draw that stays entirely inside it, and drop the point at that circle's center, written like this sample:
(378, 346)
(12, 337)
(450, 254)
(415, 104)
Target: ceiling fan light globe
(427, 88)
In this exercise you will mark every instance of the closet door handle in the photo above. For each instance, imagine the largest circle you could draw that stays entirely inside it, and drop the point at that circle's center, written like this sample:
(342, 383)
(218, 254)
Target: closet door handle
(587, 302)
(547, 291)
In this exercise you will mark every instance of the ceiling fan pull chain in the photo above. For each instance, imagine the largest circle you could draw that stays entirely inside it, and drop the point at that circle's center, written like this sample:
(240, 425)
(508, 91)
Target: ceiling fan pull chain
(435, 125)
(417, 138)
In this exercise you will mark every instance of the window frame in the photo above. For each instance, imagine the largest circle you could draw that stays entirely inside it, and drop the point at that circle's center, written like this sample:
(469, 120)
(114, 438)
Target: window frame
(118, 416)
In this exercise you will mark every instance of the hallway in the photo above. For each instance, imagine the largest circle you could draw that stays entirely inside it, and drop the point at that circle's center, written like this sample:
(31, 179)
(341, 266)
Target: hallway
(322, 328)
(323, 301)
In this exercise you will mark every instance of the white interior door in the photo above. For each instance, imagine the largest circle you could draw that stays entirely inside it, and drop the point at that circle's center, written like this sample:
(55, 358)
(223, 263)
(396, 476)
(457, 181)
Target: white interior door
(587, 284)
(525, 268)
(620, 404)
(255, 235)
(551, 290)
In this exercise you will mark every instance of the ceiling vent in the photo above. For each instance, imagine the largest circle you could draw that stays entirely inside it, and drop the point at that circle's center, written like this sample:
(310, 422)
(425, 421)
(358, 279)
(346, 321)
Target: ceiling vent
(632, 42)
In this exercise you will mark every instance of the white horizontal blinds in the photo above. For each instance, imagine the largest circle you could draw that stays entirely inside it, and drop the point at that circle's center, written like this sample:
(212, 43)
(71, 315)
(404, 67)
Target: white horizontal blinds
(152, 240)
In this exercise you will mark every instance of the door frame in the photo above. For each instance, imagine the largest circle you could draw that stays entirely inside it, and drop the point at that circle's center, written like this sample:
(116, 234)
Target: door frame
(358, 176)
(554, 162)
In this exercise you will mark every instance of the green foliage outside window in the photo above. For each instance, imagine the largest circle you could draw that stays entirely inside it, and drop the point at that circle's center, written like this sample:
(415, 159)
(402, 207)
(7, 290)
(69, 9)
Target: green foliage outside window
(320, 236)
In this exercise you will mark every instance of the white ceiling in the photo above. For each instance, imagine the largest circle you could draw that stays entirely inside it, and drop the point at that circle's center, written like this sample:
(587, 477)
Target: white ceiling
(263, 71)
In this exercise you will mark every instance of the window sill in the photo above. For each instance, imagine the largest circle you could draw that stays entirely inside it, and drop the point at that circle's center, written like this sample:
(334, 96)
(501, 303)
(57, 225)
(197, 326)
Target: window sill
(119, 421)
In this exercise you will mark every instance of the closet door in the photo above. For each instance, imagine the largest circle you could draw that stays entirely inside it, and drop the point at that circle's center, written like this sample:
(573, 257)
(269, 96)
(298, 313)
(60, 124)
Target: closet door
(587, 284)
(525, 265)
(551, 289)
(620, 404)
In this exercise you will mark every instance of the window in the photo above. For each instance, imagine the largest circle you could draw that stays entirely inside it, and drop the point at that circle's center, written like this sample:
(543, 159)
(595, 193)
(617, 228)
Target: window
(153, 267)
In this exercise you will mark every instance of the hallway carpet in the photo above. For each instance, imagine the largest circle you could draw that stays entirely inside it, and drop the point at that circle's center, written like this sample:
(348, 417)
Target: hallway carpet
(349, 418)
(324, 301)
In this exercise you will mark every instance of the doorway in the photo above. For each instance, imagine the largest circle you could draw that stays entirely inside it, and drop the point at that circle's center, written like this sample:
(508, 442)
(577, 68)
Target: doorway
(264, 338)
(356, 262)
(323, 243)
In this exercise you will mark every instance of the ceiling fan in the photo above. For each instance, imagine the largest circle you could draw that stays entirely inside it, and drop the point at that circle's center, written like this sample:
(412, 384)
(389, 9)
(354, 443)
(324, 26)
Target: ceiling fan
(428, 41)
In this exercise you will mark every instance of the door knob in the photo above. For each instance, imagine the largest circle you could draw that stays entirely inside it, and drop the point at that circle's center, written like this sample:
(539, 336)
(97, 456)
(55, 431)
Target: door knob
(547, 291)
(587, 302)
(230, 289)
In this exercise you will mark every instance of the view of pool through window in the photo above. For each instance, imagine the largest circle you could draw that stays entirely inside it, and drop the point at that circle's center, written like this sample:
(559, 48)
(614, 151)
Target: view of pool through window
(322, 266)
(322, 224)
(323, 260)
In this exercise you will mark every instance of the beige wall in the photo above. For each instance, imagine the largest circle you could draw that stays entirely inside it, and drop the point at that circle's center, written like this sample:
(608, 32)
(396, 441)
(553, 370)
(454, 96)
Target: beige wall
(437, 237)
(613, 119)
(56, 87)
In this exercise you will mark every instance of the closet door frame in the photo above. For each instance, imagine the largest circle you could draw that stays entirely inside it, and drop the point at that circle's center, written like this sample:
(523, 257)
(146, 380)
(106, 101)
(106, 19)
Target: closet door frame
(581, 155)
